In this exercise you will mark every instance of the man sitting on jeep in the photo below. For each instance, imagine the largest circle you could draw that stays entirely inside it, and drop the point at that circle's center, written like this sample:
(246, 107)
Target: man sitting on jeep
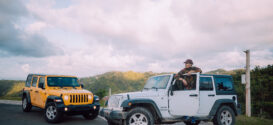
(187, 70)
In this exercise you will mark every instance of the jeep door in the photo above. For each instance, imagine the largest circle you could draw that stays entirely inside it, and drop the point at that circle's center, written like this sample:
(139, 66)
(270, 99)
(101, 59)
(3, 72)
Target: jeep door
(41, 94)
(33, 90)
(184, 101)
(207, 94)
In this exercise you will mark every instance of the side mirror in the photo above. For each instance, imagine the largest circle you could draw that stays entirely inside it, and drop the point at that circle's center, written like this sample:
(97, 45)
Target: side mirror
(82, 85)
(171, 90)
(171, 93)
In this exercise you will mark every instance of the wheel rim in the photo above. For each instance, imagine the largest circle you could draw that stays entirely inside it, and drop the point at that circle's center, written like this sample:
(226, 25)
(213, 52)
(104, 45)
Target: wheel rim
(24, 103)
(138, 119)
(51, 112)
(226, 117)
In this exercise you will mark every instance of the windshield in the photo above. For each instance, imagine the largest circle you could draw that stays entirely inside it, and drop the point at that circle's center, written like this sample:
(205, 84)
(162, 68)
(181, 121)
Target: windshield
(157, 82)
(62, 81)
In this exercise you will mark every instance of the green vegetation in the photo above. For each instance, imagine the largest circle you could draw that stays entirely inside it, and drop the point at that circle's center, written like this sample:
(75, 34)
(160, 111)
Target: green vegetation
(10, 98)
(261, 91)
(243, 120)
(11, 88)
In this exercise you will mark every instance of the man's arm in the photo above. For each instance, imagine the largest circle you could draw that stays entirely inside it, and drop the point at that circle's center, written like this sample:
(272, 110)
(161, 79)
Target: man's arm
(179, 76)
(195, 70)
(198, 70)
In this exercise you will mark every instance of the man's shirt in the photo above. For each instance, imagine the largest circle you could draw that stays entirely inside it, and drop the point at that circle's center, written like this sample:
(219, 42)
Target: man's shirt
(186, 70)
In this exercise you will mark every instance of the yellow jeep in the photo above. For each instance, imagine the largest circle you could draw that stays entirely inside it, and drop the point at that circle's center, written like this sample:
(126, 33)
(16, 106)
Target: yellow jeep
(59, 95)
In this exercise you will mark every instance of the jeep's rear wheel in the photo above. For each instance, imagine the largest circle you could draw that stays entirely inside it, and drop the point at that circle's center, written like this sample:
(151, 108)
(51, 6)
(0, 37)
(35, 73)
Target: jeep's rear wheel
(91, 115)
(52, 115)
(26, 106)
(139, 116)
(225, 116)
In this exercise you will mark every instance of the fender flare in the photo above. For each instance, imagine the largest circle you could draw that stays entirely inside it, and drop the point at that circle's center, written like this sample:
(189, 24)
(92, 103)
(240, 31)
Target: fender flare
(51, 98)
(219, 102)
(125, 104)
(27, 94)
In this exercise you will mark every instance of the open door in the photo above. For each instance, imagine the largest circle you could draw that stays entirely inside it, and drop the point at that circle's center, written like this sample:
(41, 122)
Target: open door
(184, 100)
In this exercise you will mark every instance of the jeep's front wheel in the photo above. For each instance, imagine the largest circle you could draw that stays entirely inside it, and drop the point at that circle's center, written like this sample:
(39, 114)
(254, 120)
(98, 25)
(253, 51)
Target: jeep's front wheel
(52, 115)
(139, 116)
(26, 106)
(224, 116)
(91, 115)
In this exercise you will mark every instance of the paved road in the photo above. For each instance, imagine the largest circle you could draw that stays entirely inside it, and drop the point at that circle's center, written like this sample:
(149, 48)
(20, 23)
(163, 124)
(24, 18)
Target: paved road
(12, 114)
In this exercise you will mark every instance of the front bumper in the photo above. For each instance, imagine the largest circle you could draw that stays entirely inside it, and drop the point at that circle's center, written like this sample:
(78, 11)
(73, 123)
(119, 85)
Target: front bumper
(79, 109)
(111, 114)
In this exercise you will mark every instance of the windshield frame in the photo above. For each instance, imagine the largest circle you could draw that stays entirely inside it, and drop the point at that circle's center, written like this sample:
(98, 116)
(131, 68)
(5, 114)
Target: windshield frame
(157, 87)
(77, 80)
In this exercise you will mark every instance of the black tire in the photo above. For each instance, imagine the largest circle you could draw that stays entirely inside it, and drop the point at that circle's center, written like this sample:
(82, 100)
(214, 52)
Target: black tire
(91, 115)
(139, 115)
(26, 106)
(189, 123)
(224, 115)
(52, 115)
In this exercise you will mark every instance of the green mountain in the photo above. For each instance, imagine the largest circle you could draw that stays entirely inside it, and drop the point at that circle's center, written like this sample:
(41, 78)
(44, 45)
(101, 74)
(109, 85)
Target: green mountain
(117, 81)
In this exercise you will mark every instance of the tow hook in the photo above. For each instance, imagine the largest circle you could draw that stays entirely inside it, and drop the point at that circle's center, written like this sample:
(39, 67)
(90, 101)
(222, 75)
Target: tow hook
(193, 120)
(188, 118)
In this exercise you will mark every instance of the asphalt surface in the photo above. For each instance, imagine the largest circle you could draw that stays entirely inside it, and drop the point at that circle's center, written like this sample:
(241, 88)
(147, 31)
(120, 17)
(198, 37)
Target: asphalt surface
(11, 114)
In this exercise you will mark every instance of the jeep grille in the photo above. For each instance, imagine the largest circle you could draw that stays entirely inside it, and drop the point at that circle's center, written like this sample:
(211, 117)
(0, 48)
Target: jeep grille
(114, 101)
(78, 98)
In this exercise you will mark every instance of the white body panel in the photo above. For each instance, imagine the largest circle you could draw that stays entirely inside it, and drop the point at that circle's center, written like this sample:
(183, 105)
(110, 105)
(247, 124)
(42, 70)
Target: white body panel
(182, 103)
(207, 99)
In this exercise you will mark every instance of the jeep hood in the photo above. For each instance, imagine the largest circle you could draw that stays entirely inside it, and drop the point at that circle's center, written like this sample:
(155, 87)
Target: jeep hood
(68, 91)
(139, 94)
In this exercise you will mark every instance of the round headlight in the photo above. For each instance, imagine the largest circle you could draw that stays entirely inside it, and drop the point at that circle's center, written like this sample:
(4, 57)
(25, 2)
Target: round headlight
(89, 97)
(66, 97)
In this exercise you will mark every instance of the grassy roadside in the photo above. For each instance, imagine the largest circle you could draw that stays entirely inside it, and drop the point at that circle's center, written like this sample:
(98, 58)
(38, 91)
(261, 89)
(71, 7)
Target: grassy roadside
(243, 120)
(11, 98)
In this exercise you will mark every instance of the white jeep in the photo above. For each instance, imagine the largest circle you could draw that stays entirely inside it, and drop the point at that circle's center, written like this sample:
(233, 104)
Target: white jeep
(166, 100)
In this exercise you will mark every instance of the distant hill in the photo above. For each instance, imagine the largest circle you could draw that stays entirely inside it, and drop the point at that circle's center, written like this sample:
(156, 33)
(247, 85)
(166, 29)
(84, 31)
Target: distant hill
(225, 72)
(117, 81)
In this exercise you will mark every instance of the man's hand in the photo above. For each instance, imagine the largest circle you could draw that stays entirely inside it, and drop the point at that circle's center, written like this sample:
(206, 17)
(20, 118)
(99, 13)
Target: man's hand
(184, 81)
(190, 72)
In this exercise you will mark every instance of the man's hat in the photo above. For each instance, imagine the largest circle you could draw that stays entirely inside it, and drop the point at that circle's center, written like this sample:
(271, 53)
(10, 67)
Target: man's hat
(188, 61)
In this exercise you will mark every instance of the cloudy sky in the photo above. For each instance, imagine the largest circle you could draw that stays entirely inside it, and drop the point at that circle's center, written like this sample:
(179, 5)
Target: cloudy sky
(90, 37)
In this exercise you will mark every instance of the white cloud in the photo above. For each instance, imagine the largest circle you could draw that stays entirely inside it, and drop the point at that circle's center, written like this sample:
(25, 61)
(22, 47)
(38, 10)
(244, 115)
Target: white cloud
(152, 35)
(25, 68)
(36, 27)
